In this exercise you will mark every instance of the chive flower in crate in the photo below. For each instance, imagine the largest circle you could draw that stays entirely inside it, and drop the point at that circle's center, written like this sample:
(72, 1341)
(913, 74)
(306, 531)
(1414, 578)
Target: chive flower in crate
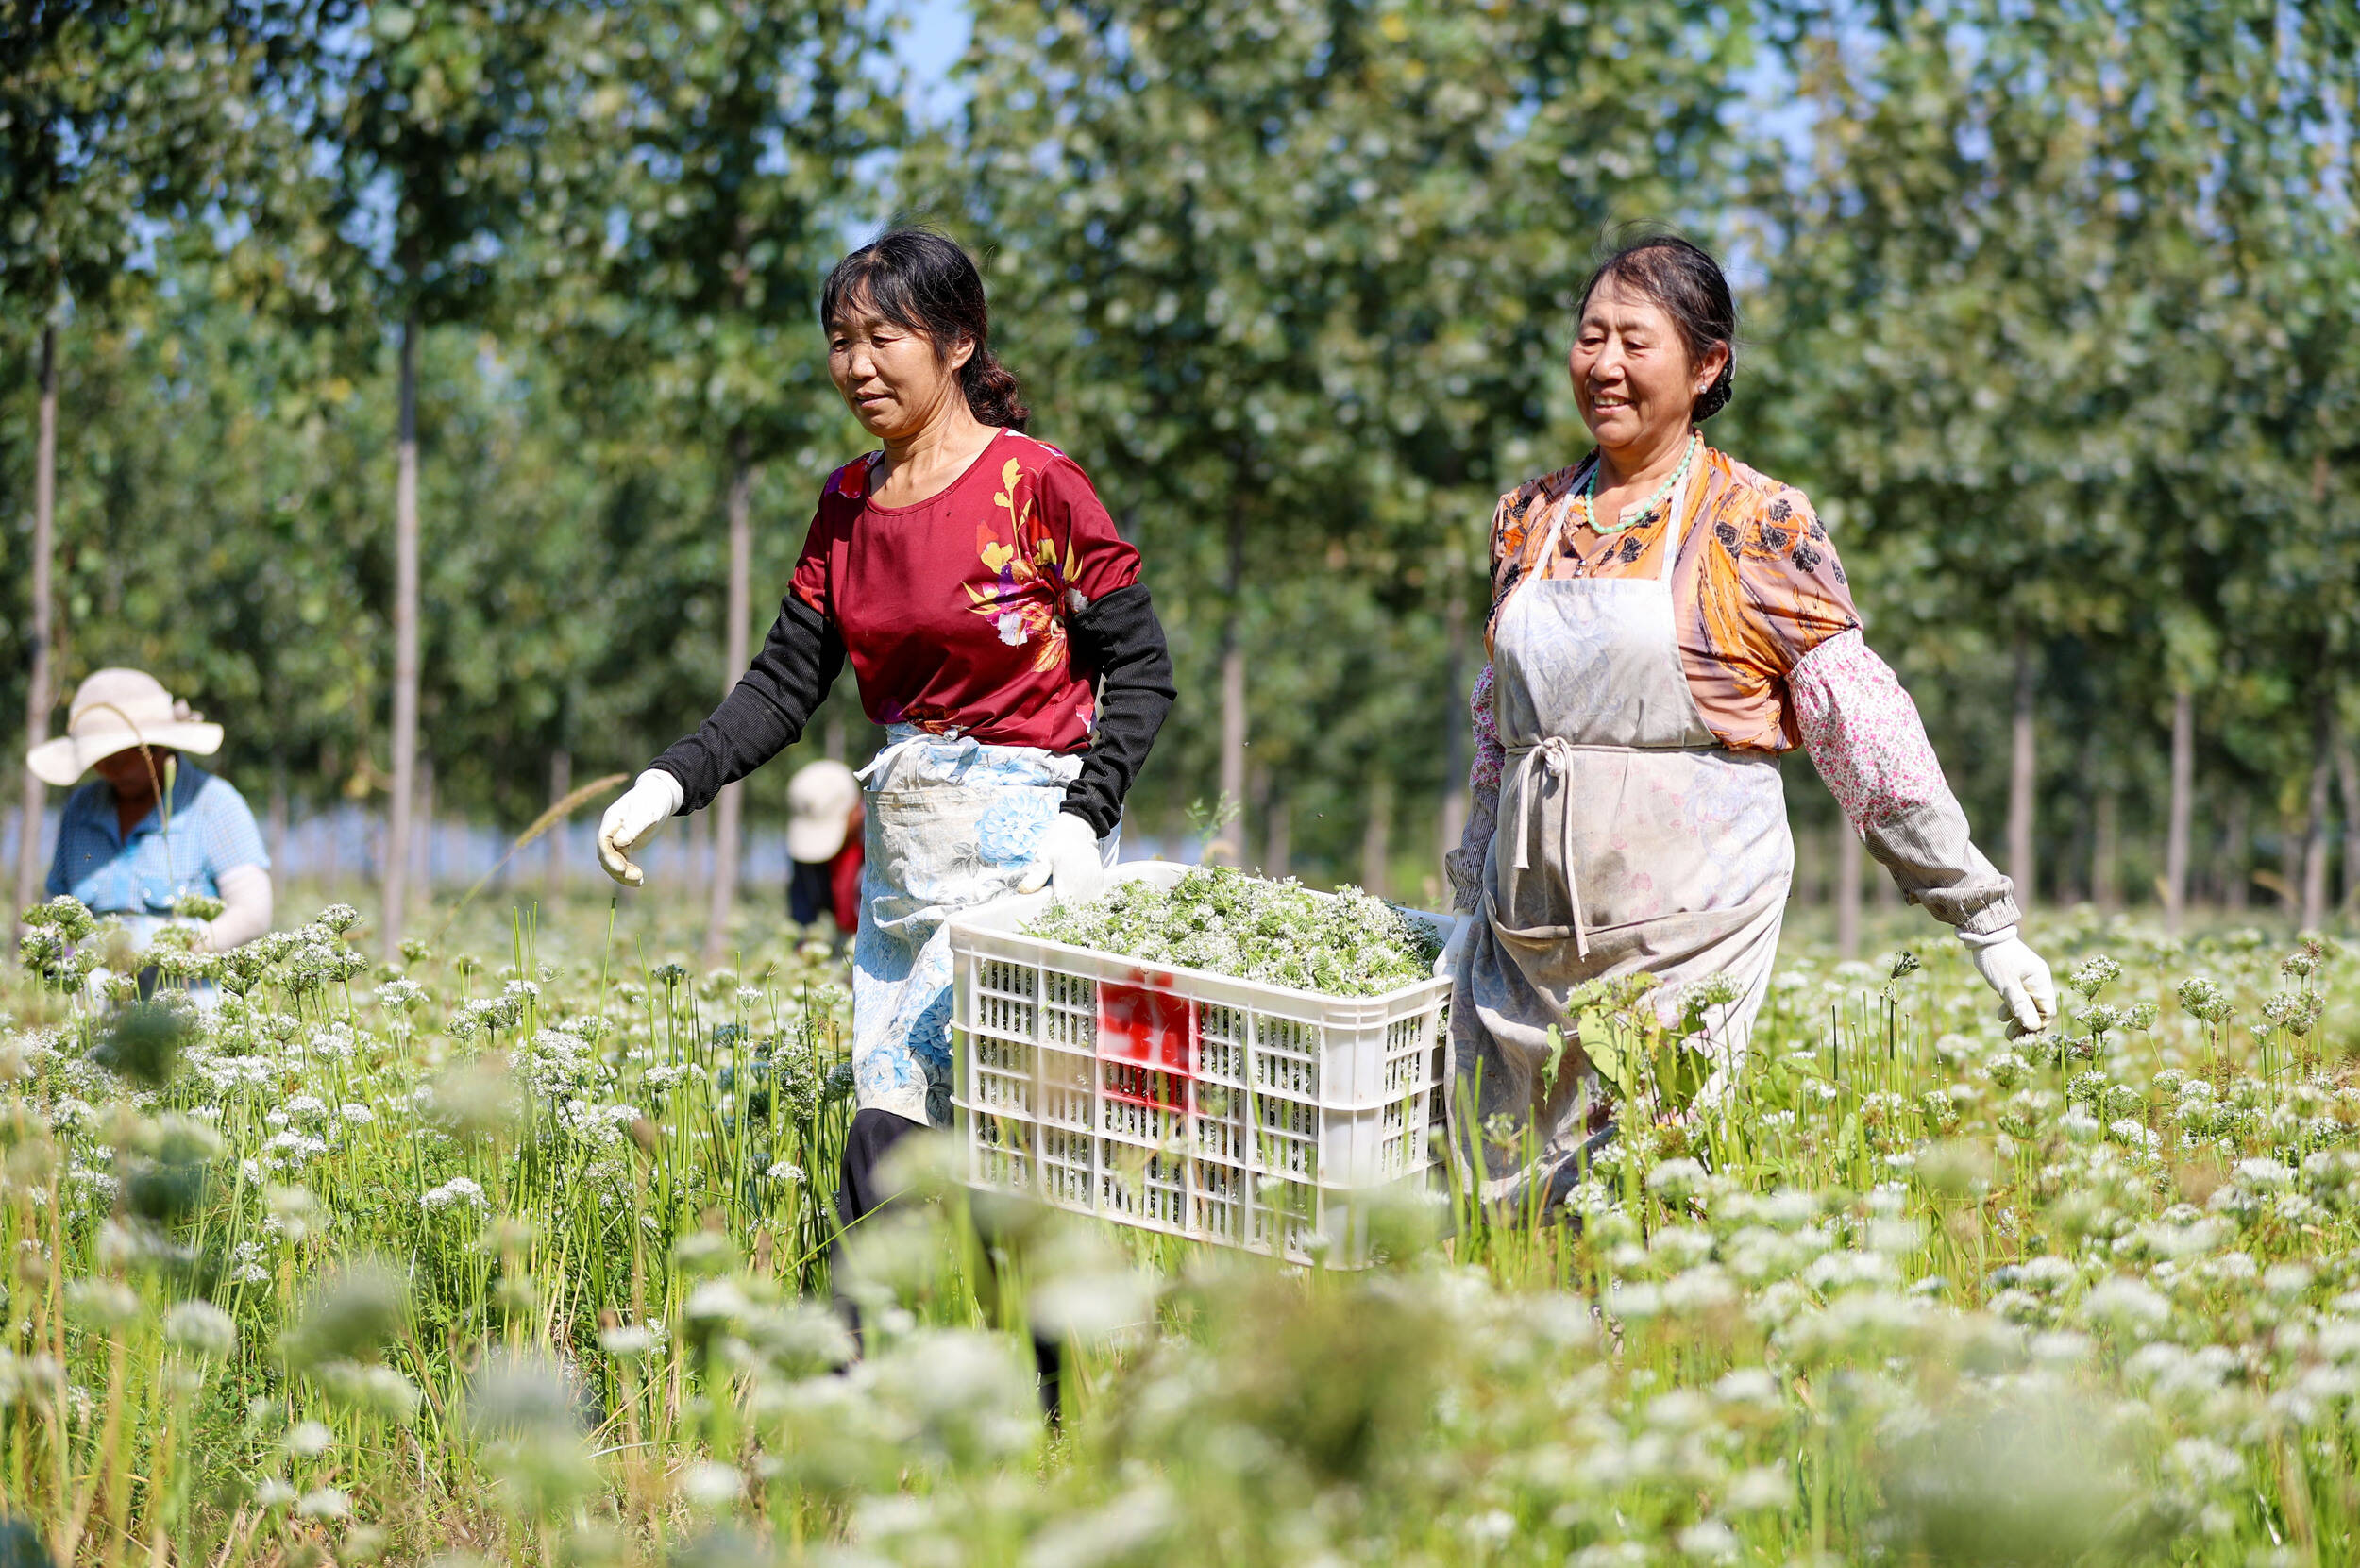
(1226, 922)
(1203, 1052)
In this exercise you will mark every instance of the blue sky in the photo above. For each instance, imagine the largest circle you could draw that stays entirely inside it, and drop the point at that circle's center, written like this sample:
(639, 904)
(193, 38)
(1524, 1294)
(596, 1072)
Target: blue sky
(938, 32)
(928, 47)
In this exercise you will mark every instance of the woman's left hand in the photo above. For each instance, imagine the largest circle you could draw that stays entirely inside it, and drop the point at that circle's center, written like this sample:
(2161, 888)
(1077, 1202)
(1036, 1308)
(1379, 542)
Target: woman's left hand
(1069, 864)
(2027, 995)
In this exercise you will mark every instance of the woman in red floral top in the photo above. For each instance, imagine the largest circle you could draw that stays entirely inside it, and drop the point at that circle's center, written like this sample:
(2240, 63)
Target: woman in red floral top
(954, 608)
(999, 630)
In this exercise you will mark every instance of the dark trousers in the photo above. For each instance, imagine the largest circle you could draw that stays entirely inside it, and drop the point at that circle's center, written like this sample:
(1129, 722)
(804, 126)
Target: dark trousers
(808, 895)
(862, 1192)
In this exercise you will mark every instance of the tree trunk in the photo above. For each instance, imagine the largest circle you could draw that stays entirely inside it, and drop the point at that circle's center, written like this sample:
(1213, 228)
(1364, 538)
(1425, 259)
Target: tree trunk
(699, 849)
(1848, 856)
(725, 819)
(1458, 735)
(1804, 888)
(1376, 835)
(2347, 771)
(405, 739)
(1278, 848)
(2182, 806)
(30, 874)
(2022, 777)
(1260, 785)
(1228, 845)
(553, 855)
(2289, 888)
(421, 832)
(2106, 850)
(2236, 854)
(832, 739)
(2315, 827)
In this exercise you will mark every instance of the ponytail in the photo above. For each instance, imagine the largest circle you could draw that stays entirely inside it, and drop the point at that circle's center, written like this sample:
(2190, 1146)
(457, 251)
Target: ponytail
(992, 391)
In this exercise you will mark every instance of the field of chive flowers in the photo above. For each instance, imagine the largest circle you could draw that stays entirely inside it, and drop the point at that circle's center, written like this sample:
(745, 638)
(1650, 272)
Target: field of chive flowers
(517, 1256)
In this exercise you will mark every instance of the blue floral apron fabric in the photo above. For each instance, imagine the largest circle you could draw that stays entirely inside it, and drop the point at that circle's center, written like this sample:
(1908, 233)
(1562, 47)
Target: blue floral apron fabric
(952, 824)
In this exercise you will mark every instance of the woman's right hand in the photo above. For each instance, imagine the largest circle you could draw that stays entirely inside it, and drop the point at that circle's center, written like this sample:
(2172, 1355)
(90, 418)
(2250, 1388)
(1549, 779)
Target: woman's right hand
(629, 821)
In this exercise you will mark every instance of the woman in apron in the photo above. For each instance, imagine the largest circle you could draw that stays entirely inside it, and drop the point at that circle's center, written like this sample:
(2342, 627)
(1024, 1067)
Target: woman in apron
(1666, 621)
(994, 621)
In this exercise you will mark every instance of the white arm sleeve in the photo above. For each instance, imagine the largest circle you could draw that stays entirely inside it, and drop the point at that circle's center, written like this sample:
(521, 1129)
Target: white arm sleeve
(246, 908)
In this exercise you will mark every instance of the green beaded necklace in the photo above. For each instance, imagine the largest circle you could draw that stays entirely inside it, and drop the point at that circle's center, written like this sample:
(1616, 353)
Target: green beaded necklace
(1634, 516)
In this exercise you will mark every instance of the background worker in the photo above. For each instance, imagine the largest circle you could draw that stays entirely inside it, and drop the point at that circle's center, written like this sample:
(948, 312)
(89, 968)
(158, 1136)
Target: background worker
(1666, 621)
(823, 832)
(153, 827)
(1000, 632)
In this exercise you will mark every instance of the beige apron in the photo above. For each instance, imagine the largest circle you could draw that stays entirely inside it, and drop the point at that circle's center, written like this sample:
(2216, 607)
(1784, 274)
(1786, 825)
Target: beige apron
(1629, 841)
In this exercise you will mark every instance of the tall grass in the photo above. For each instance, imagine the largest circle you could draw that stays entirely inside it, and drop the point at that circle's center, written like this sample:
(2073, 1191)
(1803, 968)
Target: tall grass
(526, 1255)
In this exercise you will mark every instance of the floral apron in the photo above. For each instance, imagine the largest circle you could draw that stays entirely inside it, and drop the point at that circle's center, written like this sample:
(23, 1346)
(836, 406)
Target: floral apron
(951, 824)
(1629, 841)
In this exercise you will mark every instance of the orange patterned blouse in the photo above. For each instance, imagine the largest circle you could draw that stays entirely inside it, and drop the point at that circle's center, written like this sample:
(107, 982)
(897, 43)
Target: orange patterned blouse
(1757, 585)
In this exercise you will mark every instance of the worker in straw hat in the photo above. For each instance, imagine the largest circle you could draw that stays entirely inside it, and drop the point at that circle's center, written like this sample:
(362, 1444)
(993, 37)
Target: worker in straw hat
(152, 828)
(823, 821)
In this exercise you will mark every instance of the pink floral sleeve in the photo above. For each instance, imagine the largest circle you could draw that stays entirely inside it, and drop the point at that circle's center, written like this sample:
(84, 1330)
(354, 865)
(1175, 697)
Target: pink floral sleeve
(1864, 736)
(1489, 755)
(1465, 863)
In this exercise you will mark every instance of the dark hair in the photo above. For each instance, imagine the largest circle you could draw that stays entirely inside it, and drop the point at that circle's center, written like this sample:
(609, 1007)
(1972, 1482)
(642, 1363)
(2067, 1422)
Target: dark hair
(1688, 283)
(927, 282)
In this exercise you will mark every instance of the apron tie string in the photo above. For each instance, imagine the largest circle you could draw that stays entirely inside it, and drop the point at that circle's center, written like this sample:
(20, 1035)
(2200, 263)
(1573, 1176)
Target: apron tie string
(1552, 756)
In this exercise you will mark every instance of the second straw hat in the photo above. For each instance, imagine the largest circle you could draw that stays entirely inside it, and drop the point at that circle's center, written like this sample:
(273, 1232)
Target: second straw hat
(113, 711)
(819, 804)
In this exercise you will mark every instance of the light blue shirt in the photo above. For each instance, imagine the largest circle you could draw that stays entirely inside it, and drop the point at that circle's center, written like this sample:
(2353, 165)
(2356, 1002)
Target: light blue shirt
(211, 831)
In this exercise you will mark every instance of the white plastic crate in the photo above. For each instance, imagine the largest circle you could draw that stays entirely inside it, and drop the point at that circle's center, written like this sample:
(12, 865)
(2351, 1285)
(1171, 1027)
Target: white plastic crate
(1224, 1110)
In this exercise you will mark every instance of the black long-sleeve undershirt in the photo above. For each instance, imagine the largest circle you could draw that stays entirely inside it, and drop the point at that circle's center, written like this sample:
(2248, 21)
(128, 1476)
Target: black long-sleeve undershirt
(1117, 639)
(765, 712)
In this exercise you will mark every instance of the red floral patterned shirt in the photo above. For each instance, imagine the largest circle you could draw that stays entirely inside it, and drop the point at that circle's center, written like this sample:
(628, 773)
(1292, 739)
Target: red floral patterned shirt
(1757, 585)
(1773, 652)
(954, 611)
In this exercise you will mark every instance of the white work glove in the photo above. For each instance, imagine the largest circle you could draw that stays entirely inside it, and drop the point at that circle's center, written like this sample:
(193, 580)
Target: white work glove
(652, 796)
(1070, 864)
(1447, 962)
(2028, 997)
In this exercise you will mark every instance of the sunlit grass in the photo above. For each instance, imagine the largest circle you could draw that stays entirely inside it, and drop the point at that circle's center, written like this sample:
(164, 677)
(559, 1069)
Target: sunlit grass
(523, 1251)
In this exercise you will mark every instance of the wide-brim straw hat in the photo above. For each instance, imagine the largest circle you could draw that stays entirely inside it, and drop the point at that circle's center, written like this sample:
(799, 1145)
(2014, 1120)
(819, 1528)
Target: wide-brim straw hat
(113, 711)
(819, 802)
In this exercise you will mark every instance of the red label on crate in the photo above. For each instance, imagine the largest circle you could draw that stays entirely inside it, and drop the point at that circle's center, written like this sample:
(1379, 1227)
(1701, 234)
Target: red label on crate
(1146, 1024)
(1153, 1028)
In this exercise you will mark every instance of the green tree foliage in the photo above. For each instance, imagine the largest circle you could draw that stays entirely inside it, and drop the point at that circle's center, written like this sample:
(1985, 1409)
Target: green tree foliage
(117, 121)
(2058, 304)
(123, 130)
(1292, 280)
(705, 173)
(2050, 308)
(434, 116)
(699, 184)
